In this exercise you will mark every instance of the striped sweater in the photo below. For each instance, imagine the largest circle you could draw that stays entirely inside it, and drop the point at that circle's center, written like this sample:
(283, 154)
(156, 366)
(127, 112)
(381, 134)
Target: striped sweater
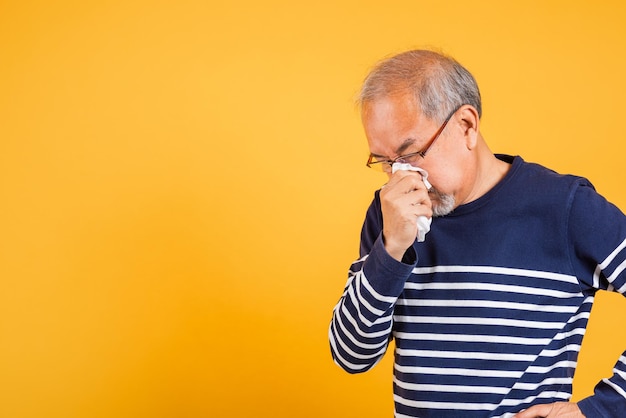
(488, 314)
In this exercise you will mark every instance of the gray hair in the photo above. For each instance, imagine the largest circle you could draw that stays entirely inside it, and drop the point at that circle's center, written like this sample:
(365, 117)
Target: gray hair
(439, 83)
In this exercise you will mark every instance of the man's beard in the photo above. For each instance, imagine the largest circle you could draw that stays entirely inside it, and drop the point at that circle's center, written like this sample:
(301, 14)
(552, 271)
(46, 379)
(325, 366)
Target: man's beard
(443, 203)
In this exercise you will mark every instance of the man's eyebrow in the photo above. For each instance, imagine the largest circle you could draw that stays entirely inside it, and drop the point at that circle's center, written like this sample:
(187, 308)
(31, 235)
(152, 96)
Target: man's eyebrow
(406, 144)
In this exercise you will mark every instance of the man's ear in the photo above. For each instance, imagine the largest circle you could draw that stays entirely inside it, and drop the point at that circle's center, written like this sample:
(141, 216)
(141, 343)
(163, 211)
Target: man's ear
(469, 121)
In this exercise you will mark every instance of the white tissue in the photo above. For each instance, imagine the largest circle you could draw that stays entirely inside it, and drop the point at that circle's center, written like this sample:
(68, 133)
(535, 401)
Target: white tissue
(423, 223)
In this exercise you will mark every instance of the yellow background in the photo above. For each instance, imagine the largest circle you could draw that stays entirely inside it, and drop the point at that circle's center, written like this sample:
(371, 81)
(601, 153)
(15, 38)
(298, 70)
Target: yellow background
(182, 185)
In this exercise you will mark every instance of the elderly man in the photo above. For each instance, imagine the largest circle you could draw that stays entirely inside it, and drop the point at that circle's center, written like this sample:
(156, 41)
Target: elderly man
(483, 268)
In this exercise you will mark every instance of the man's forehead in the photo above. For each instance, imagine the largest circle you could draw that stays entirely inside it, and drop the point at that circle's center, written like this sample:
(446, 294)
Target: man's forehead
(393, 124)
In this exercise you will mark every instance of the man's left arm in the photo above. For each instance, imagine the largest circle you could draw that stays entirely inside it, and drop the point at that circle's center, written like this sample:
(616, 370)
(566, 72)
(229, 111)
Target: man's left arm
(597, 242)
(601, 241)
(597, 238)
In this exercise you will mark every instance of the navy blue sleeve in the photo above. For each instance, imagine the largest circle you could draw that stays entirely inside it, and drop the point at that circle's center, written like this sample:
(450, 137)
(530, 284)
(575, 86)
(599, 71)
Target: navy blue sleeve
(362, 320)
(597, 231)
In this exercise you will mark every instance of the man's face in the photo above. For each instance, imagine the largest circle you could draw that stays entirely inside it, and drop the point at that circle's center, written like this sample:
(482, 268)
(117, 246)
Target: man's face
(394, 126)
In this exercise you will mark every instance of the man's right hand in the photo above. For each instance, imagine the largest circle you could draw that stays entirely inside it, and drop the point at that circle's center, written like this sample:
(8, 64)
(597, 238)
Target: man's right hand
(403, 199)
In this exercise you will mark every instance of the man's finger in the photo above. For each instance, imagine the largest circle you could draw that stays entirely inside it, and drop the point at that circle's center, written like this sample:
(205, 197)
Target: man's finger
(535, 411)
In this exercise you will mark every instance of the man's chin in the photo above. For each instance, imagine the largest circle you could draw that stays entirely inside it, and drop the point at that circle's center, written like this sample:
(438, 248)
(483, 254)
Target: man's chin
(443, 204)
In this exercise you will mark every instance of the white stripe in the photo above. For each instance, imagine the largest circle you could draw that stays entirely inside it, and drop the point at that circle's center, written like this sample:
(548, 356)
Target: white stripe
(611, 256)
(546, 369)
(448, 371)
(566, 335)
(596, 277)
(356, 355)
(370, 289)
(554, 353)
(473, 338)
(490, 287)
(588, 299)
(487, 338)
(546, 382)
(620, 373)
(348, 316)
(351, 276)
(552, 394)
(477, 406)
(617, 388)
(359, 261)
(581, 315)
(487, 304)
(498, 270)
(469, 355)
(363, 301)
(357, 303)
(498, 356)
(360, 344)
(445, 405)
(616, 273)
(457, 320)
(605, 264)
(343, 362)
(399, 415)
(451, 388)
(506, 415)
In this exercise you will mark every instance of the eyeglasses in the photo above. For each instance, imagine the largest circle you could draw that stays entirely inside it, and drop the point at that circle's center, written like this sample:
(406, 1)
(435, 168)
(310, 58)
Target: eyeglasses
(413, 158)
